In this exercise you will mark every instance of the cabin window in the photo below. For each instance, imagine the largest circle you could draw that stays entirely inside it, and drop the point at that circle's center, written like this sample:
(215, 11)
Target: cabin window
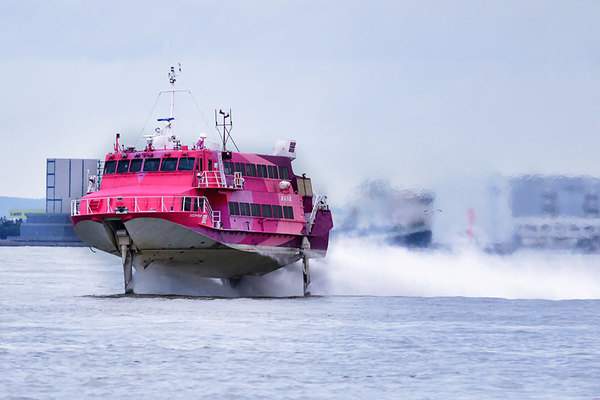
(277, 213)
(186, 164)
(245, 209)
(234, 208)
(229, 169)
(136, 165)
(284, 173)
(187, 204)
(210, 165)
(288, 212)
(192, 203)
(151, 164)
(255, 210)
(272, 169)
(250, 170)
(168, 164)
(240, 167)
(123, 166)
(266, 210)
(109, 167)
(261, 171)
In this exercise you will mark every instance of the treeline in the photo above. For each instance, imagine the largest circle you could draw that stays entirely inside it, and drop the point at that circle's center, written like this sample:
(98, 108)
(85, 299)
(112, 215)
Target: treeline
(9, 228)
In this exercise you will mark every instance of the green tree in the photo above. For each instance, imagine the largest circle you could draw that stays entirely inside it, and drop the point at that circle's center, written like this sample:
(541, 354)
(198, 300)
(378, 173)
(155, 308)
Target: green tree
(9, 228)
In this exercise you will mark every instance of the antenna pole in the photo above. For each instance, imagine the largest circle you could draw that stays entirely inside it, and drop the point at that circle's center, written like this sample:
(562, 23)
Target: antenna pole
(172, 81)
(226, 125)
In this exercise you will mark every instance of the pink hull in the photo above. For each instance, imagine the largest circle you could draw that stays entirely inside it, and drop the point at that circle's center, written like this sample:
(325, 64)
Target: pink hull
(161, 238)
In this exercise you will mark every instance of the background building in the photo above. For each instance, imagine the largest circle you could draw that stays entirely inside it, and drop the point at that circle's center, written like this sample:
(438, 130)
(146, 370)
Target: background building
(66, 180)
(21, 214)
(556, 212)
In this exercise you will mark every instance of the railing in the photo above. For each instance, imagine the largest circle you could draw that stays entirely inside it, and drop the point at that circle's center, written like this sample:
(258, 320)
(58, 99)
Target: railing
(238, 181)
(211, 179)
(216, 179)
(319, 203)
(138, 204)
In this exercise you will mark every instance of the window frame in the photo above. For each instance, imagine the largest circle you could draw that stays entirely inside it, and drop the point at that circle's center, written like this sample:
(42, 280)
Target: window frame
(240, 167)
(228, 167)
(164, 160)
(110, 163)
(136, 161)
(157, 160)
(251, 170)
(255, 210)
(186, 160)
(263, 208)
(277, 211)
(272, 172)
(234, 208)
(284, 176)
(288, 212)
(122, 162)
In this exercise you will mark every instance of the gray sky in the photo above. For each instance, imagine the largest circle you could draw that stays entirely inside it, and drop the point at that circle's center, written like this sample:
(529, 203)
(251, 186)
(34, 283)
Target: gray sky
(413, 91)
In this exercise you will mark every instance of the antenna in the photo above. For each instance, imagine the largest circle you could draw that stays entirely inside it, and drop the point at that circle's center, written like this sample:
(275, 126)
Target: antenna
(173, 75)
(172, 79)
(227, 125)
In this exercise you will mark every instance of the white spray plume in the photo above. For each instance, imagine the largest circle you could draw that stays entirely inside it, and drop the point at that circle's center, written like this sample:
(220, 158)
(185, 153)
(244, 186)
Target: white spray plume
(367, 267)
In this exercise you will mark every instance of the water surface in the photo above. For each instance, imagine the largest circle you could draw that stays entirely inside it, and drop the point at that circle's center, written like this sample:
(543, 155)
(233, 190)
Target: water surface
(66, 332)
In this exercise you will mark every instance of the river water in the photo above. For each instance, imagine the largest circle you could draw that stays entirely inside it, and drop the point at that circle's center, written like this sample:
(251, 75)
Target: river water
(384, 323)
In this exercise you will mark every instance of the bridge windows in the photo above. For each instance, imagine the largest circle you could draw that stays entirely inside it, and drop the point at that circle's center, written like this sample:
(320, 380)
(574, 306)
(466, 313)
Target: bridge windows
(250, 170)
(255, 210)
(186, 164)
(272, 170)
(261, 171)
(110, 167)
(123, 166)
(168, 164)
(151, 164)
(229, 168)
(240, 167)
(257, 170)
(284, 173)
(136, 165)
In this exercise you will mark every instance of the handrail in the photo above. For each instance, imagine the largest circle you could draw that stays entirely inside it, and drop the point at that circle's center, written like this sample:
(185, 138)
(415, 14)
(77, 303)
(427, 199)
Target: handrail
(211, 179)
(216, 179)
(238, 181)
(319, 203)
(139, 204)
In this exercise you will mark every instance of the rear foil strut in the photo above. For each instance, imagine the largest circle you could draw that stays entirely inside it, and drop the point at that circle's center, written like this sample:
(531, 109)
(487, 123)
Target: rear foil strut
(124, 242)
(305, 265)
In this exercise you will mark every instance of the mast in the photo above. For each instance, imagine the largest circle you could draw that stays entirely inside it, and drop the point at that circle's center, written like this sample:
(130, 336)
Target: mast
(172, 80)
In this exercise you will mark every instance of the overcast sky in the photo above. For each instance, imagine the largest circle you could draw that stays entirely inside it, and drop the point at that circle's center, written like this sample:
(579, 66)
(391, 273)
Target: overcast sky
(414, 91)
